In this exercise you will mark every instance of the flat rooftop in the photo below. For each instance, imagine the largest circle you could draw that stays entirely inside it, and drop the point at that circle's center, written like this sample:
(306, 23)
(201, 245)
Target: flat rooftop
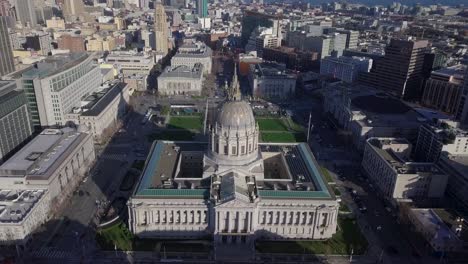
(194, 50)
(183, 71)
(400, 165)
(378, 108)
(15, 205)
(159, 175)
(45, 151)
(457, 71)
(101, 100)
(271, 70)
(55, 64)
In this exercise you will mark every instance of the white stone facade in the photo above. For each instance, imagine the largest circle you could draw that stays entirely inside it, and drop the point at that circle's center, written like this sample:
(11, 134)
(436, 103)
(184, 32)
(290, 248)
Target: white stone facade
(103, 114)
(384, 162)
(55, 162)
(232, 188)
(181, 80)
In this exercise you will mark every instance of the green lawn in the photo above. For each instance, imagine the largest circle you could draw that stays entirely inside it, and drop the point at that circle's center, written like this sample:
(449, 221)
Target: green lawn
(347, 237)
(116, 235)
(344, 207)
(327, 175)
(272, 124)
(172, 135)
(186, 122)
(282, 137)
(336, 191)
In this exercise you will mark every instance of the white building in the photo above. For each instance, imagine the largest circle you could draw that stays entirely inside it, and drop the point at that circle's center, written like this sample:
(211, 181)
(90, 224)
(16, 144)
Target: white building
(263, 37)
(181, 80)
(232, 188)
(192, 53)
(345, 68)
(102, 111)
(271, 80)
(129, 63)
(386, 162)
(45, 171)
(57, 84)
(22, 211)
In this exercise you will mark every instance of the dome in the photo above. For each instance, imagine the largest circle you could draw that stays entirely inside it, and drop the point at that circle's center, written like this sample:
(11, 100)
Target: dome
(236, 114)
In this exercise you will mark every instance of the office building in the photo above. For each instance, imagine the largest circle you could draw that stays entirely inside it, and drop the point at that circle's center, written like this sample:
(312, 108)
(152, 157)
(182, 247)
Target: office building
(44, 173)
(130, 63)
(437, 137)
(7, 64)
(181, 80)
(55, 23)
(457, 167)
(202, 8)
(352, 38)
(98, 43)
(101, 112)
(263, 37)
(191, 53)
(26, 13)
(325, 44)
(73, 43)
(293, 58)
(271, 80)
(232, 188)
(346, 69)
(406, 80)
(367, 112)
(386, 163)
(161, 29)
(443, 90)
(73, 10)
(15, 123)
(5, 8)
(462, 113)
(57, 84)
(148, 38)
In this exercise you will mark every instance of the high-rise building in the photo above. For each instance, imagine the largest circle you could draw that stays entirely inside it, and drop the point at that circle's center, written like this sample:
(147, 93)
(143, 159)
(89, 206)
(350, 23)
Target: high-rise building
(462, 113)
(15, 123)
(26, 13)
(56, 85)
(161, 28)
(7, 64)
(400, 72)
(73, 10)
(352, 37)
(443, 90)
(345, 68)
(5, 8)
(202, 8)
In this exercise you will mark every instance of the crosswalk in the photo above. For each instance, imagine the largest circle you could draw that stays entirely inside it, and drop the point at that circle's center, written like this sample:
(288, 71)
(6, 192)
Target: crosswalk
(114, 156)
(58, 255)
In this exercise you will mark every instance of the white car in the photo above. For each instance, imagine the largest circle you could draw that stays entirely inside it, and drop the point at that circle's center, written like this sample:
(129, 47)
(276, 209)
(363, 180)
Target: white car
(379, 228)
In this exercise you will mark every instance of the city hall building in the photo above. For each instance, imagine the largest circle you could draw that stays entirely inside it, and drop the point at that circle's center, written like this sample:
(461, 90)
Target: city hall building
(233, 187)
